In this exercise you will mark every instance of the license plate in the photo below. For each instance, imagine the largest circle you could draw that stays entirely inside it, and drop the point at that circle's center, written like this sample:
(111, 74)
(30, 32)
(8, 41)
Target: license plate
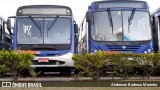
(43, 60)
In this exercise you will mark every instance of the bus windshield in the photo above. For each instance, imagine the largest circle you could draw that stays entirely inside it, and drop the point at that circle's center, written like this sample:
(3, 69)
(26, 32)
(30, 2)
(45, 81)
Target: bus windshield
(121, 26)
(36, 30)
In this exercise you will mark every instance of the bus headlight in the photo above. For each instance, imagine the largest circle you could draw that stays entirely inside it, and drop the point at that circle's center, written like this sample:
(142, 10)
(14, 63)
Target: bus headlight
(95, 51)
(149, 50)
(145, 52)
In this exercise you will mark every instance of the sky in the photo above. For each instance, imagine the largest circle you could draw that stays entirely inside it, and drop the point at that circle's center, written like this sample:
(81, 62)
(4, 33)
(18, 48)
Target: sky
(79, 7)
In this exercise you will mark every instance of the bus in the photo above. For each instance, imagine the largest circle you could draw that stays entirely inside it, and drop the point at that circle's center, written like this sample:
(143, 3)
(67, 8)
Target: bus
(5, 36)
(155, 16)
(49, 32)
(116, 26)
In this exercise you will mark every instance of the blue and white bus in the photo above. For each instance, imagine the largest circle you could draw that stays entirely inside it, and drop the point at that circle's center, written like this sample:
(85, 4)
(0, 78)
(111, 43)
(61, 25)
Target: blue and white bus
(156, 29)
(5, 35)
(121, 26)
(49, 31)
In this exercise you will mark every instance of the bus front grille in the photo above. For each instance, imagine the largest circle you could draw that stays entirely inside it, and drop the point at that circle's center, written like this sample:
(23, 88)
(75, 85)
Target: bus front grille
(123, 47)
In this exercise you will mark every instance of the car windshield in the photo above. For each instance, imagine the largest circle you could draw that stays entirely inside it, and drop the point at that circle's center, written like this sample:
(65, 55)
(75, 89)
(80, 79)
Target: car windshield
(33, 30)
(121, 26)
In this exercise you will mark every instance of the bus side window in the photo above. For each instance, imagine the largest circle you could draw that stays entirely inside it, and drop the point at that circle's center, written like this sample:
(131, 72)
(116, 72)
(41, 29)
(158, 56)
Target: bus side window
(8, 40)
(0, 32)
(158, 27)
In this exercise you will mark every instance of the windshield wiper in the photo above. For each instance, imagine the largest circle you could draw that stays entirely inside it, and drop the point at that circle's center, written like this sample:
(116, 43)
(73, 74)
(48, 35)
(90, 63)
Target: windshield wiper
(35, 24)
(92, 19)
(131, 18)
(110, 19)
(52, 24)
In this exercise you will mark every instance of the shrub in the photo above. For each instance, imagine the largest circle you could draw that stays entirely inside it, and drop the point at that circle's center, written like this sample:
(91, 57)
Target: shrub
(121, 64)
(90, 64)
(149, 63)
(15, 61)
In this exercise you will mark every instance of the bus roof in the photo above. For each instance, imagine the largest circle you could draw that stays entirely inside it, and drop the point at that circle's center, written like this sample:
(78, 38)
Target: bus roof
(1, 17)
(118, 1)
(156, 11)
(44, 9)
(104, 4)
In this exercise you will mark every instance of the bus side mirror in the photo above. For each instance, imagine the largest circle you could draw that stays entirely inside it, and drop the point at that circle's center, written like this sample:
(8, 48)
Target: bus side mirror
(76, 28)
(88, 15)
(9, 26)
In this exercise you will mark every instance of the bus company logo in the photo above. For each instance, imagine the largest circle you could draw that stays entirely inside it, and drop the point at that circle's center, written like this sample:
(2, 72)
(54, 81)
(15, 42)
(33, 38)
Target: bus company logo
(6, 84)
(124, 47)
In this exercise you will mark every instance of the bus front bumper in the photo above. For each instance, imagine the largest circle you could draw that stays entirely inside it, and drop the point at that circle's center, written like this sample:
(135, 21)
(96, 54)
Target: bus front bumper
(53, 61)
